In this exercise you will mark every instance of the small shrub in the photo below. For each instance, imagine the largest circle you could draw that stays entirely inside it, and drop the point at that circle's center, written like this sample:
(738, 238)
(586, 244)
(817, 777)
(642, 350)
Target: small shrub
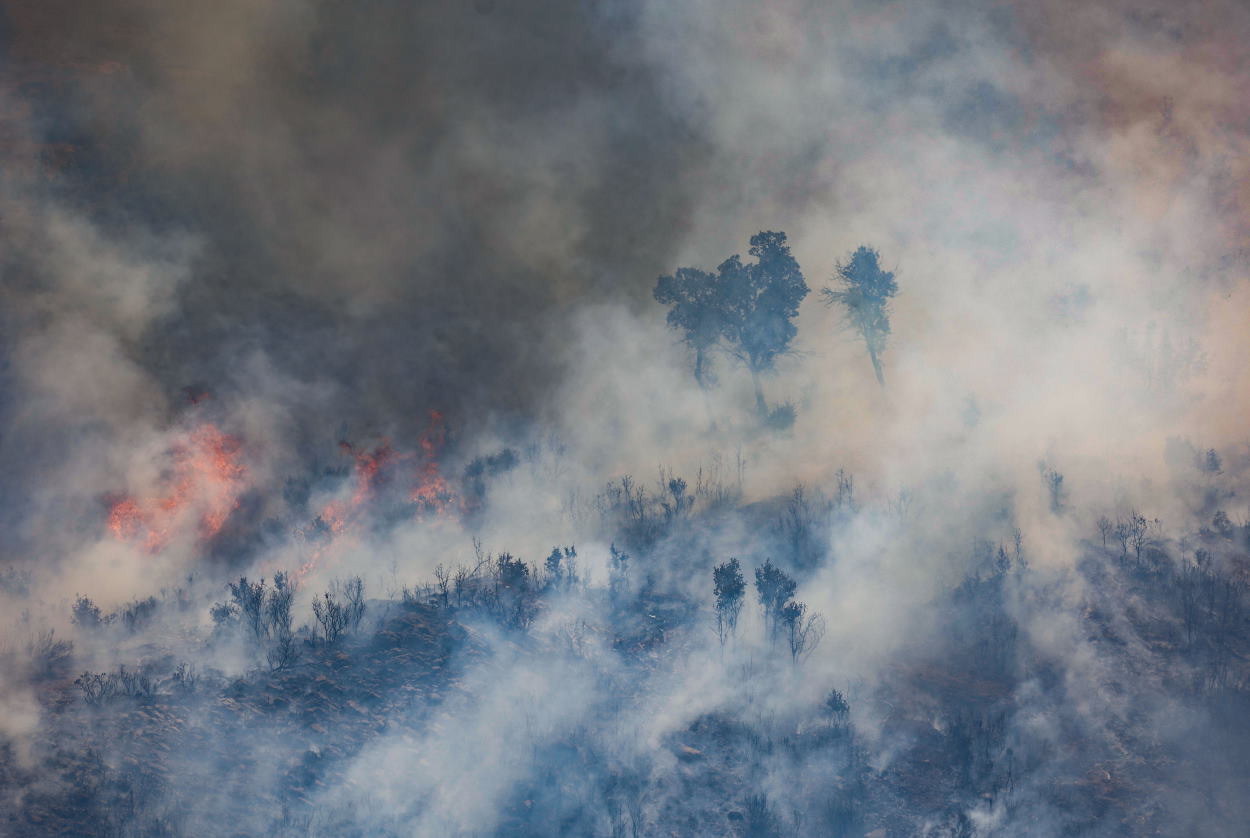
(225, 615)
(330, 615)
(49, 657)
(781, 418)
(837, 705)
(97, 687)
(135, 683)
(139, 613)
(249, 599)
(353, 593)
(86, 614)
(184, 679)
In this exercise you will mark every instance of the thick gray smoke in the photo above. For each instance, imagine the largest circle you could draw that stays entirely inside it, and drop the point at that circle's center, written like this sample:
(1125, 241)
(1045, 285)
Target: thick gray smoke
(365, 289)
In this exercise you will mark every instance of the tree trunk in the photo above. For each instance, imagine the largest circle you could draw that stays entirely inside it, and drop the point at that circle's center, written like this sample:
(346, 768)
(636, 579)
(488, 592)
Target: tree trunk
(760, 404)
(876, 364)
(698, 367)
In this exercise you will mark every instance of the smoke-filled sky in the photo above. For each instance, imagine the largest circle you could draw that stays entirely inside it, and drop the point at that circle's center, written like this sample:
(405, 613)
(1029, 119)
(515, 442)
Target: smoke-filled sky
(333, 218)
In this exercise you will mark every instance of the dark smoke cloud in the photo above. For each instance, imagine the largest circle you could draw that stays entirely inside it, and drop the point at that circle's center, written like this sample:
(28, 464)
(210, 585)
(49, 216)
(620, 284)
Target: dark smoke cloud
(394, 207)
(398, 200)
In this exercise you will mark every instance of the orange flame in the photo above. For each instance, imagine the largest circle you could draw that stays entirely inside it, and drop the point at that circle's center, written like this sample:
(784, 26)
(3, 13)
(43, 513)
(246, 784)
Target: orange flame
(206, 476)
(432, 493)
(338, 515)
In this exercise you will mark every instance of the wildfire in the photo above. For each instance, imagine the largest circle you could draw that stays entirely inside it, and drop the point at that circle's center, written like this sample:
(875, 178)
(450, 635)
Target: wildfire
(432, 493)
(206, 477)
(369, 466)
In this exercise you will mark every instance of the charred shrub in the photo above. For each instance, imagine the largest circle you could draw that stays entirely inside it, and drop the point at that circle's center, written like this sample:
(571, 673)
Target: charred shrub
(96, 687)
(100, 687)
(330, 616)
(86, 614)
(184, 680)
(339, 609)
(49, 657)
(139, 613)
(514, 599)
(249, 601)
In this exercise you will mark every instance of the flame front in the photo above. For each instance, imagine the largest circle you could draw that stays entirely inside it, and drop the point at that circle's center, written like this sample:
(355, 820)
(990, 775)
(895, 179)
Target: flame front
(368, 469)
(432, 494)
(206, 478)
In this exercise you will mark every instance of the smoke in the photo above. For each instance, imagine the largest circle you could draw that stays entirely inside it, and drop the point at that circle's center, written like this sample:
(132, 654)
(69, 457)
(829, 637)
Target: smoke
(249, 250)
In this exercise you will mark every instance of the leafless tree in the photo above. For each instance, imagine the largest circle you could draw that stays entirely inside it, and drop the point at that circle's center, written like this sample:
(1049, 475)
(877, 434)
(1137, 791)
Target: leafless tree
(1105, 529)
(330, 615)
(803, 630)
(443, 578)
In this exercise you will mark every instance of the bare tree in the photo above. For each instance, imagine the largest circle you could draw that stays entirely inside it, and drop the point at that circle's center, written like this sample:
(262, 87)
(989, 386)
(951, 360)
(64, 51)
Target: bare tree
(1105, 529)
(249, 598)
(443, 578)
(803, 629)
(283, 650)
(330, 615)
(353, 593)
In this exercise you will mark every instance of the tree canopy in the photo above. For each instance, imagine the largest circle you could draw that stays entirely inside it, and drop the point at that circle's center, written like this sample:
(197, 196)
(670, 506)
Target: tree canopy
(866, 292)
(748, 308)
(691, 295)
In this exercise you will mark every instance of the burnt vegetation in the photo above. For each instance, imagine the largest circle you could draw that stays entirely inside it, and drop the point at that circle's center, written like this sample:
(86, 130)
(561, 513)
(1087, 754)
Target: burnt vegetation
(262, 700)
(269, 703)
(329, 674)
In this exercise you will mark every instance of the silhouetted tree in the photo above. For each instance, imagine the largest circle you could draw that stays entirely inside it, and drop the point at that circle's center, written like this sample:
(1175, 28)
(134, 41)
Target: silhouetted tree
(49, 657)
(866, 293)
(618, 572)
(330, 615)
(694, 300)
(749, 306)
(1105, 528)
(761, 301)
(803, 629)
(137, 614)
(837, 705)
(353, 592)
(802, 526)
(278, 605)
(729, 588)
(552, 564)
(677, 503)
(442, 578)
(513, 594)
(774, 589)
(249, 598)
(1222, 525)
(512, 572)
(86, 614)
(340, 608)
(561, 567)
(1053, 480)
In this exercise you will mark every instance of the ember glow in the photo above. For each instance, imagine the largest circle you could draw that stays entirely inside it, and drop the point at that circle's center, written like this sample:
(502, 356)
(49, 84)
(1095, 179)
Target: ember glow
(433, 494)
(368, 470)
(205, 478)
(377, 472)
